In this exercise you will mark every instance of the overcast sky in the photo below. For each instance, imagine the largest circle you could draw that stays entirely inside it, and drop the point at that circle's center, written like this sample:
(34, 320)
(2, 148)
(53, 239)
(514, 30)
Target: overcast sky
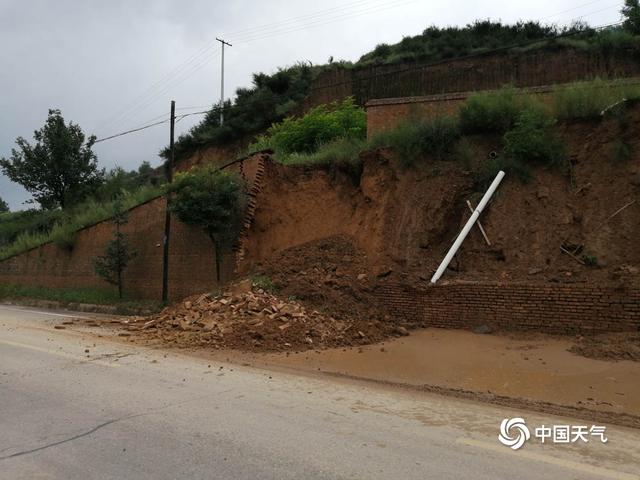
(115, 65)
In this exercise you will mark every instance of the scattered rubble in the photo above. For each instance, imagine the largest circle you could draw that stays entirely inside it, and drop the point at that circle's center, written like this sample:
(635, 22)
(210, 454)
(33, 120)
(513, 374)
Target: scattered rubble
(249, 318)
(610, 346)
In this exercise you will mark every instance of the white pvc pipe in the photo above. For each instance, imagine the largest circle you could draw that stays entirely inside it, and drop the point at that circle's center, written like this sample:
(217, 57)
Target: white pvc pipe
(465, 231)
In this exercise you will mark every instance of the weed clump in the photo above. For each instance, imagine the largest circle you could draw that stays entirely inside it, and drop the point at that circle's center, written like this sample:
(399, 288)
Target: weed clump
(533, 142)
(415, 138)
(488, 112)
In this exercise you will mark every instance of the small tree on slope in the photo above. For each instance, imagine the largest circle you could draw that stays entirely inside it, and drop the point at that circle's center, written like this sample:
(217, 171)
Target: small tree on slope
(213, 200)
(113, 263)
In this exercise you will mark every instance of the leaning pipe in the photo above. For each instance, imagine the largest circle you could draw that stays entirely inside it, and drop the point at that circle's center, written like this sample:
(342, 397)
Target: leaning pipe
(465, 231)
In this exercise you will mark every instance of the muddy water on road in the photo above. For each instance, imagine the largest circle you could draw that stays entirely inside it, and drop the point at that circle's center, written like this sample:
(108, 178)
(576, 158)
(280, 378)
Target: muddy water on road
(537, 368)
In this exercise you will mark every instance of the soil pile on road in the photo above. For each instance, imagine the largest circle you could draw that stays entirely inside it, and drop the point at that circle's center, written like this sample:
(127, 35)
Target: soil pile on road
(331, 275)
(249, 318)
(610, 346)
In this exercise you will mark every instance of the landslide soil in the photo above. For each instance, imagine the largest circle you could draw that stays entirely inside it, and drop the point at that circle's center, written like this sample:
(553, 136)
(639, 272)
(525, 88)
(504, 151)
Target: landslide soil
(322, 297)
(404, 219)
(326, 240)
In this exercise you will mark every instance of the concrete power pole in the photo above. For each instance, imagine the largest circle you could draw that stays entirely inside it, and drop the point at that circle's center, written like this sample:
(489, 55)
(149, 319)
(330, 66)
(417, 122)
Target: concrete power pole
(167, 217)
(222, 80)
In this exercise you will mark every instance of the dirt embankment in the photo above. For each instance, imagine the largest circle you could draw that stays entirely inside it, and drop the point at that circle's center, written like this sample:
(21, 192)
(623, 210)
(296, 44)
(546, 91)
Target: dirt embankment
(328, 241)
(404, 220)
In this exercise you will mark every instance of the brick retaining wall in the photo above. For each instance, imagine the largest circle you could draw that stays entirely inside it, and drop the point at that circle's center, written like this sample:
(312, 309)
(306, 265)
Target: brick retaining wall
(191, 254)
(548, 308)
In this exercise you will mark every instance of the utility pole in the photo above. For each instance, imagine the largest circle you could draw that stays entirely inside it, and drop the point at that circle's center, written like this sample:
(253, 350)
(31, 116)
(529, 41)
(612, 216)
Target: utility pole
(167, 215)
(222, 80)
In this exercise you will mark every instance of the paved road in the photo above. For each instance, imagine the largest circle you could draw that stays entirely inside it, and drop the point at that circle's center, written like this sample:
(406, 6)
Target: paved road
(120, 412)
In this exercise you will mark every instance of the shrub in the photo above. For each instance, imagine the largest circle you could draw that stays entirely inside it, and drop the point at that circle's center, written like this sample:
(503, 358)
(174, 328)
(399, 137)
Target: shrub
(415, 138)
(490, 111)
(319, 126)
(13, 224)
(342, 155)
(21, 231)
(264, 282)
(587, 100)
(532, 140)
(268, 100)
(63, 235)
(482, 35)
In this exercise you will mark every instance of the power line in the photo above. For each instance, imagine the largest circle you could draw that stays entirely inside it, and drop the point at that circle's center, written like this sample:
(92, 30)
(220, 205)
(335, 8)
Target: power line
(571, 9)
(294, 19)
(129, 131)
(321, 22)
(251, 102)
(197, 60)
(144, 127)
(151, 98)
(594, 12)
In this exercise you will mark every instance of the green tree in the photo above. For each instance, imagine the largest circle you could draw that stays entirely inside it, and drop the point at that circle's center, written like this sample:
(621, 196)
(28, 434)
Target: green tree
(533, 141)
(60, 169)
(213, 200)
(631, 14)
(118, 254)
(4, 207)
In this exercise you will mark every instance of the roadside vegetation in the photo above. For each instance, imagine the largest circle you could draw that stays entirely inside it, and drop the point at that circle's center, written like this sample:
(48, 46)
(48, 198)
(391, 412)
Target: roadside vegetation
(85, 295)
(24, 230)
(111, 266)
(483, 36)
(273, 97)
(213, 200)
(333, 136)
(329, 136)
(270, 99)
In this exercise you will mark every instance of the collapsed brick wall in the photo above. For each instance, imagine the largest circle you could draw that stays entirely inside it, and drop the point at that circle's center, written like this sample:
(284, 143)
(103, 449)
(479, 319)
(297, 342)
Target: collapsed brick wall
(553, 309)
(191, 255)
(483, 72)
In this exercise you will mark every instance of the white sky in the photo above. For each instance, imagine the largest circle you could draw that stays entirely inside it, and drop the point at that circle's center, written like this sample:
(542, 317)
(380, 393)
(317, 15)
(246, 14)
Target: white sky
(110, 66)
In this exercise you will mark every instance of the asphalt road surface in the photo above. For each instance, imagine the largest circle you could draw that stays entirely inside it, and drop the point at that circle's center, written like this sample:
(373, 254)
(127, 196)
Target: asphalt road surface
(125, 412)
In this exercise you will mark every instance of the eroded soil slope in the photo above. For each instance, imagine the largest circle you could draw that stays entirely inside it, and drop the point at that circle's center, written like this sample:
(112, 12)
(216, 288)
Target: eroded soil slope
(404, 220)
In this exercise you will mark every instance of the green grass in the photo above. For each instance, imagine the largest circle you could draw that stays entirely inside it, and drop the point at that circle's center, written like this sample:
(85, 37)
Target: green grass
(532, 140)
(586, 100)
(342, 155)
(264, 282)
(415, 138)
(62, 232)
(87, 295)
(319, 126)
(487, 112)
